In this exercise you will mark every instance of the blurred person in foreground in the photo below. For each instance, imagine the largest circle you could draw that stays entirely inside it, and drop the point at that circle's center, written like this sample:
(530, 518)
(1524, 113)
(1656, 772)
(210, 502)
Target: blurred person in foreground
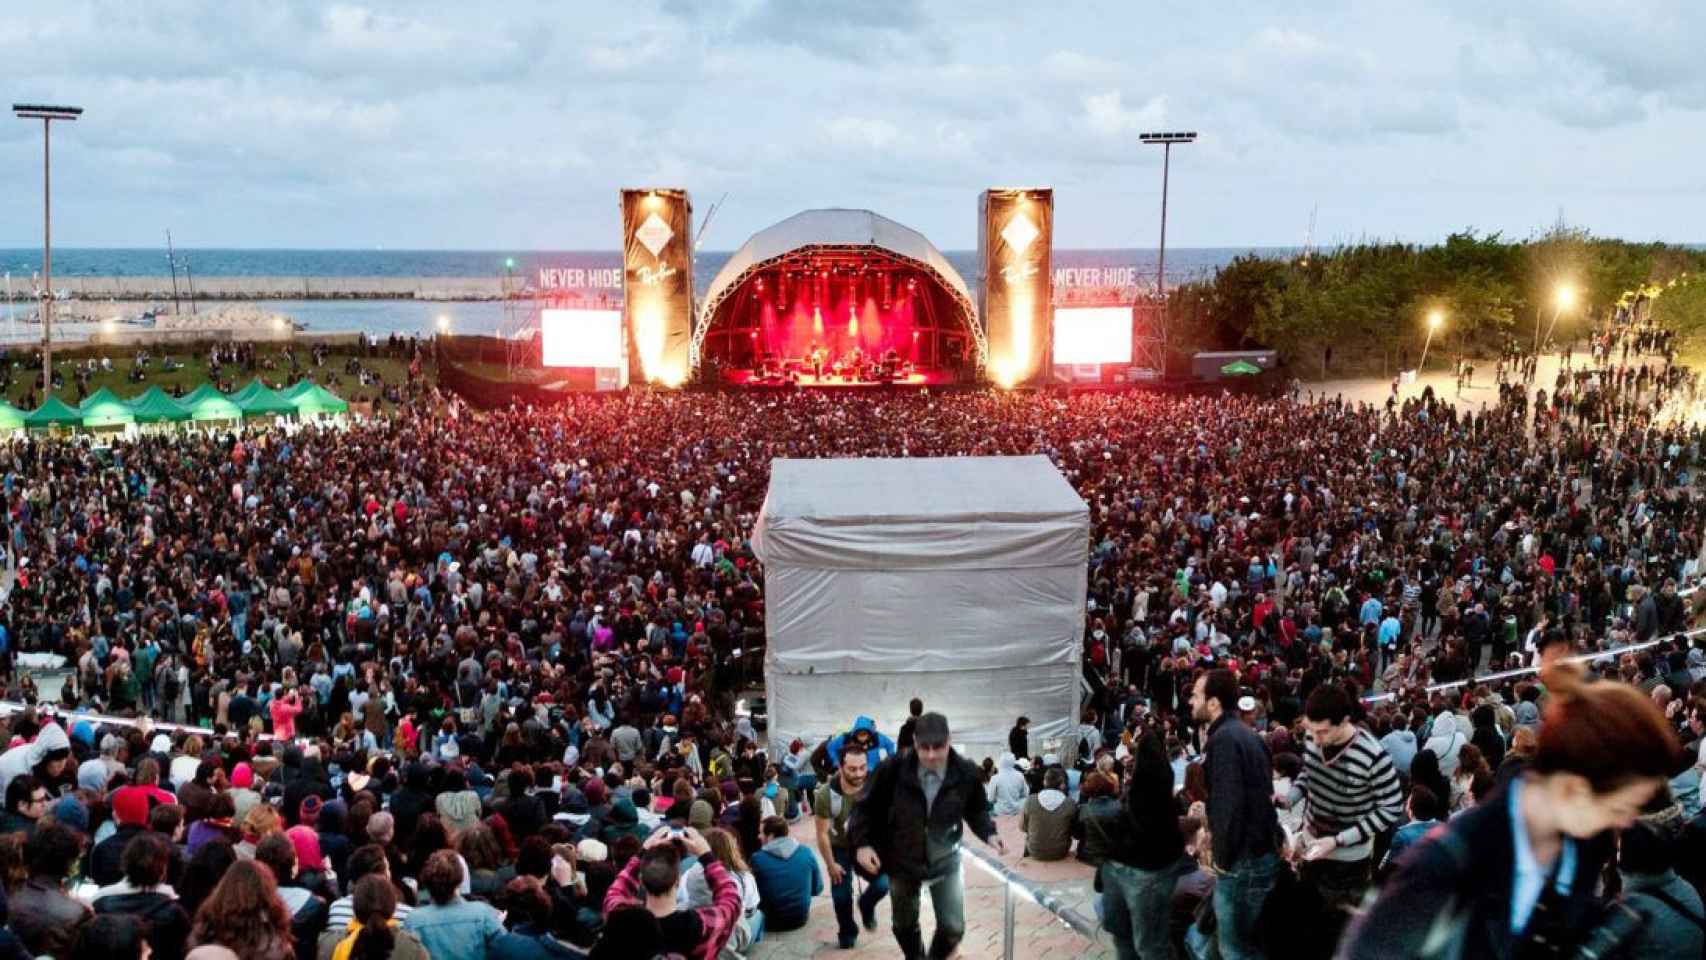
(908, 822)
(1518, 873)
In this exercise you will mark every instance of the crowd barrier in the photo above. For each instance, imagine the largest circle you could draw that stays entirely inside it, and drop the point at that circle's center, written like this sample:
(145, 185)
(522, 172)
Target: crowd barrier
(1015, 886)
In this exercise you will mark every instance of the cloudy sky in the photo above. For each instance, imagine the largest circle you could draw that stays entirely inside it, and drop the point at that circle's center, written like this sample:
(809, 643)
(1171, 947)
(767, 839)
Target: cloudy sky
(430, 124)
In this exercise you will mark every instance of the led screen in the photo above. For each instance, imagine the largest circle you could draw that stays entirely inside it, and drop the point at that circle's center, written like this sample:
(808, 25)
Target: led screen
(1092, 335)
(581, 338)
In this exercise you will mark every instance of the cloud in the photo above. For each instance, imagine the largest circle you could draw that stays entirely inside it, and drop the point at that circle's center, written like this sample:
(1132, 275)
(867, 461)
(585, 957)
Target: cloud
(437, 123)
(862, 132)
(1106, 114)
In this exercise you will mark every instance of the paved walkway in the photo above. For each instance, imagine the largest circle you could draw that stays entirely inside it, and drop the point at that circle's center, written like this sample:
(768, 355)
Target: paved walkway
(1038, 935)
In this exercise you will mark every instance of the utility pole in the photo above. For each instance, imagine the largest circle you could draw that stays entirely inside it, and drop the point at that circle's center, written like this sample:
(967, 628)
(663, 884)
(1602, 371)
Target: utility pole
(46, 114)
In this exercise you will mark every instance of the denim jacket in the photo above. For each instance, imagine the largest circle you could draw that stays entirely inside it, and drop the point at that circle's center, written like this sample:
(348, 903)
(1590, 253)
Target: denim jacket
(460, 928)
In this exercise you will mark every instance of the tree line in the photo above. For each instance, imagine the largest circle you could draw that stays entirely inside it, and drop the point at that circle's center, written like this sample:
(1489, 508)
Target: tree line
(1368, 304)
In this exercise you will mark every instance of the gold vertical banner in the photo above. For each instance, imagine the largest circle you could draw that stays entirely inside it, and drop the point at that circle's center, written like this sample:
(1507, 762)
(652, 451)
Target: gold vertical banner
(1016, 256)
(657, 283)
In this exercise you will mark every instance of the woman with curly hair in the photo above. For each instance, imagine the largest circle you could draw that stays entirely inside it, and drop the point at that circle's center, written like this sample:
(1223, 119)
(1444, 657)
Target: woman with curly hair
(245, 915)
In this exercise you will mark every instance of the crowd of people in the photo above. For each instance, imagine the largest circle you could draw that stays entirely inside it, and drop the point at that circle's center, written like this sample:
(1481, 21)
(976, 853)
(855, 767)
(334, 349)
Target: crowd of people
(477, 674)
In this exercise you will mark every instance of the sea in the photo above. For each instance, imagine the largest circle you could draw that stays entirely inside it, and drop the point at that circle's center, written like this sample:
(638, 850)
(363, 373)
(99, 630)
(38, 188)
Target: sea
(385, 317)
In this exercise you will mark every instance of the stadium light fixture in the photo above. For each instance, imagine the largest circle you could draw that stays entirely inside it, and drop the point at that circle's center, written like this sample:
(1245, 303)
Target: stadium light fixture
(47, 115)
(1165, 141)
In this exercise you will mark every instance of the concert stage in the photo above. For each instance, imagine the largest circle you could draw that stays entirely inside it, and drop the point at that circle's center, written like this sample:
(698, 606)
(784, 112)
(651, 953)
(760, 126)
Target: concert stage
(838, 299)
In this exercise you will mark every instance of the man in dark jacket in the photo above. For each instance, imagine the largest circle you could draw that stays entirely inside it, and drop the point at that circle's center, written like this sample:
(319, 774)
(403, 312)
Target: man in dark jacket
(142, 892)
(44, 917)
(908, 823)
(1241, 814)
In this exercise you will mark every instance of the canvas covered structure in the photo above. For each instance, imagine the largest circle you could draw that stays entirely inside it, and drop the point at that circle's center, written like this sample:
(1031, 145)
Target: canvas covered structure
(959, 580)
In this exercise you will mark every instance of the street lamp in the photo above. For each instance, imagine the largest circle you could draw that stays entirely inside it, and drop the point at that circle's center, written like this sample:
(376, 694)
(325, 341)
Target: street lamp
(46, 114)
(1435, 318)
(1563, 298)
(1165, 141)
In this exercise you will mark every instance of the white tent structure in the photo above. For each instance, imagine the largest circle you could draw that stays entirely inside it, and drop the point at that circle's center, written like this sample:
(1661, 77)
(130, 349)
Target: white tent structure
(959, 580)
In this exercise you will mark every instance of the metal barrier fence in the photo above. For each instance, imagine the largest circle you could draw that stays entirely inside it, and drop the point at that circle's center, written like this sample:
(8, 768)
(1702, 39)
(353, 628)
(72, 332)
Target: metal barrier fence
(1017, 885)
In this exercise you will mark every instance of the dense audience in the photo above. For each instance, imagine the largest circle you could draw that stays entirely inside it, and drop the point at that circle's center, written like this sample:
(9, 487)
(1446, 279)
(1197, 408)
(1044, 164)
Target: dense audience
(466, 683)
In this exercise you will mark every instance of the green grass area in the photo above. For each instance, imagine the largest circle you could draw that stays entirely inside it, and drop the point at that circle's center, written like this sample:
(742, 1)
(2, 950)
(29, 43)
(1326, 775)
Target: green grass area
(194, 373)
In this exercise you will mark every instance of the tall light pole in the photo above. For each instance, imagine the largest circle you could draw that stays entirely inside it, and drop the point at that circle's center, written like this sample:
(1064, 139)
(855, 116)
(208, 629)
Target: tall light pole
(46, 114)
(1562, 299)
(1165, 141)
(1435, 318)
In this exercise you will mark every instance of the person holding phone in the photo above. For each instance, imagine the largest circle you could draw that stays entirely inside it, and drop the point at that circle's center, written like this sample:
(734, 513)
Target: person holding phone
(641, 909)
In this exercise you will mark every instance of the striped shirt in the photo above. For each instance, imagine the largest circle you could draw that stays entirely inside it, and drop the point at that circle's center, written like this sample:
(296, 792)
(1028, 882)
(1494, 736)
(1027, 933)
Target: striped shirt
(1353, 798)
(342, 912)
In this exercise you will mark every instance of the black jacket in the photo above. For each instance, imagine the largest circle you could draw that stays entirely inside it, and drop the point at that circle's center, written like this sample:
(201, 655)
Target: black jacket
(891, 816)
(106, 861)
(1241, 815)
(168, 924)
(1469, 869)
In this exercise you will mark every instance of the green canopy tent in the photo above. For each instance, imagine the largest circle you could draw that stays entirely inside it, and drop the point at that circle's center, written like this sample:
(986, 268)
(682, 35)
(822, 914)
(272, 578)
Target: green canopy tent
(313, 400)
(104, 409)
(1241, 368)
(11, 418)
(259, 400)
(205, 403)
(154, 405)
(53, 412)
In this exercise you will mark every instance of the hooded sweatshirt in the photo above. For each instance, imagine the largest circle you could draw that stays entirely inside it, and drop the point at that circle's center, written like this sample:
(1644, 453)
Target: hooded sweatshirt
(23, 759)
(788, 879)
(1047, 821)
(1446, 742)
(1007, 789)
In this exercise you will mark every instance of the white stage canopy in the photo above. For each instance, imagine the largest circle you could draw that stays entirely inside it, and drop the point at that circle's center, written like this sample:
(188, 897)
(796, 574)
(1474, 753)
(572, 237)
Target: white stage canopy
(960, 580)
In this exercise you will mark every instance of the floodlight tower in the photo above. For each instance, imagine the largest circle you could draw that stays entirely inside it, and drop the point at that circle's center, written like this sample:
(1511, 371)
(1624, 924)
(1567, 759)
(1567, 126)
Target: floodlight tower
(1165, 141)
(46, 114)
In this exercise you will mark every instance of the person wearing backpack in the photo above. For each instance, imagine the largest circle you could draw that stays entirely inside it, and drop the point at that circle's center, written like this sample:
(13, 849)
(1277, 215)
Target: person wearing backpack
(831, 804)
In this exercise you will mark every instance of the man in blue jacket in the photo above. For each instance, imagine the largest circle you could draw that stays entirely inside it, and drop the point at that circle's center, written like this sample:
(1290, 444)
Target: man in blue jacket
(877, 747)
(787, 875)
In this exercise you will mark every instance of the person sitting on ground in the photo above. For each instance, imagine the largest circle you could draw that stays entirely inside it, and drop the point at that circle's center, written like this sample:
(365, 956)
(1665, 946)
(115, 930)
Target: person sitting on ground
(245, 915)
(143, 892)
(372, 932)
(642, 916)
(449, 926)
(696, 892)
(527, 906)
(363, 861)
(43, 914)
(307, 912)
(1008, 789)
(111, 937)
(1049, 819)
(26, 802)
(788, 877)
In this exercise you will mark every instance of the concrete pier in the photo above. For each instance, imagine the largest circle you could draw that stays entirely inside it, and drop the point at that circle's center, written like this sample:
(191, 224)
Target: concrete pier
(279, 288)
